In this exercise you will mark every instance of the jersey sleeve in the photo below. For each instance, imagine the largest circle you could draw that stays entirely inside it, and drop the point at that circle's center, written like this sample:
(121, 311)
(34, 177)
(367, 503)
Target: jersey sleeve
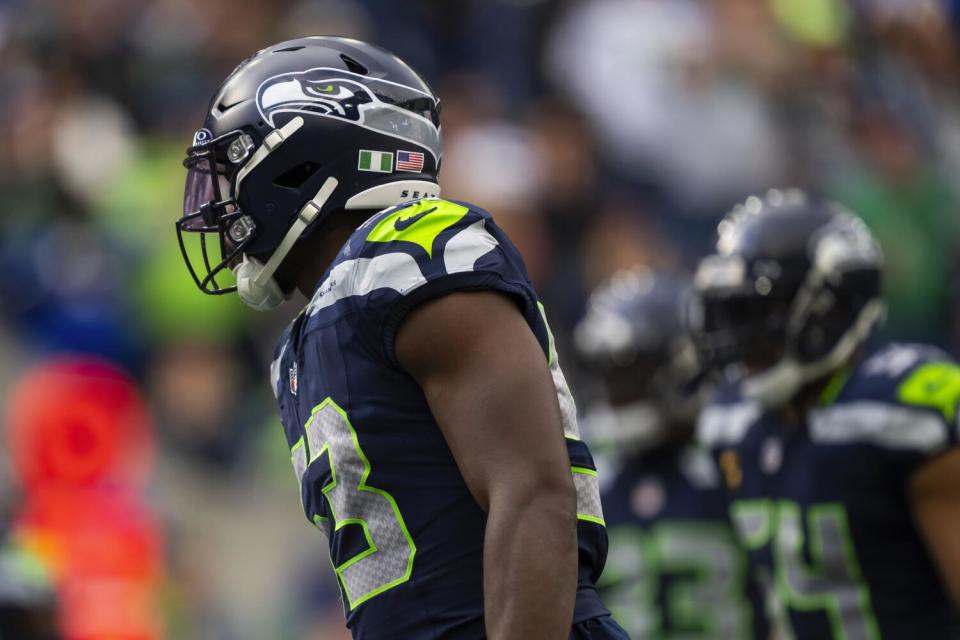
(435, 247)
(903, 401)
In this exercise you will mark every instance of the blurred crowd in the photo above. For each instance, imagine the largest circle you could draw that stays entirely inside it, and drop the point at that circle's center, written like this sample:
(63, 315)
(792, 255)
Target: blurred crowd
(600, 133)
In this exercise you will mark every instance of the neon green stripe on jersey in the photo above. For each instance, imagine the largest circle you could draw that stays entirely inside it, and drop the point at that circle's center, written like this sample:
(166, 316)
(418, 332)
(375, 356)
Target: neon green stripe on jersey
(420, 223)
(588, 495)
(551, 356)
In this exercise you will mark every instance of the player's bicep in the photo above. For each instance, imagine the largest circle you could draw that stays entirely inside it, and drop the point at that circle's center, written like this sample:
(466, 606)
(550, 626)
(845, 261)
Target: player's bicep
(935, 496)
(488, 385)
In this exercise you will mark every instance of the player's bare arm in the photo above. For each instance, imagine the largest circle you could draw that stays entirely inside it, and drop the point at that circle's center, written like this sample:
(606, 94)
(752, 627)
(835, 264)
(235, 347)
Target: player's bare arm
(486, 380)
(935, 495)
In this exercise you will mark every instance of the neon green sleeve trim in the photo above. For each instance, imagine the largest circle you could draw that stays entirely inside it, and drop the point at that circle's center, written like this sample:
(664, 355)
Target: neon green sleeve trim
(551, 346)
(297, 445)
(584, 470)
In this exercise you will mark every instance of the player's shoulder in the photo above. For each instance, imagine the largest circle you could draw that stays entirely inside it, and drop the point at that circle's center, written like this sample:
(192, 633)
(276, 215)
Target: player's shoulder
(402, 248)
(407, 254)
(903, 374)
(903, 396)
(421, 228)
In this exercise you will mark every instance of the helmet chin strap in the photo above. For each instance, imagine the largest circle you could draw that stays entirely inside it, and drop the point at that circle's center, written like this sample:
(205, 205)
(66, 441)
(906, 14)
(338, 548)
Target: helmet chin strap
(255, 282)
(776, 385)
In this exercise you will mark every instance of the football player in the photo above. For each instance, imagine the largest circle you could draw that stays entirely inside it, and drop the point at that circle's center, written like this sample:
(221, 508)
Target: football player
(842, 464)
(431, 430)
(675, 567)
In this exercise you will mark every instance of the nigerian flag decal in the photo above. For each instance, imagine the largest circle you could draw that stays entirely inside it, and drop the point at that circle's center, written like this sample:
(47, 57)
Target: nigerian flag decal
(378, 161)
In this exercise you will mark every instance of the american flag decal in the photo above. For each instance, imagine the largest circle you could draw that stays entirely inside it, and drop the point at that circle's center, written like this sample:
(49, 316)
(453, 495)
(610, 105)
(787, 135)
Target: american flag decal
(409, 161)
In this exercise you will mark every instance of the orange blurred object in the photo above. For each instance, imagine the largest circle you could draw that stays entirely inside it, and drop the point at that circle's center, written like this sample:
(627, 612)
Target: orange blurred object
(104, 550)
(79, 422)
(81, 441)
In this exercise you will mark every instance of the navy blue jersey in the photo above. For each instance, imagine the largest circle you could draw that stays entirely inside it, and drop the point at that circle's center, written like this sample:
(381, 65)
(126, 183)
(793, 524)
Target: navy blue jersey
(822, 502)
(676, 568)
(376, 475)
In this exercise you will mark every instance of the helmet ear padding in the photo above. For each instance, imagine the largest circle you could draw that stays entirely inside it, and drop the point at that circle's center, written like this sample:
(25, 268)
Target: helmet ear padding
(843, 280)
(255, 282)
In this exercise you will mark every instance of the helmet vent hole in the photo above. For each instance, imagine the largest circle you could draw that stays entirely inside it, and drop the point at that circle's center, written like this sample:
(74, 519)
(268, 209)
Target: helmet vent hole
(296, 48)
(294, 177)
(353, 65)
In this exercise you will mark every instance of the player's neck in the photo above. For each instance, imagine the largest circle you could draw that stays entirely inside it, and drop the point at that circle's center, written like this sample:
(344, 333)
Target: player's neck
(317, 257)
(819, 392)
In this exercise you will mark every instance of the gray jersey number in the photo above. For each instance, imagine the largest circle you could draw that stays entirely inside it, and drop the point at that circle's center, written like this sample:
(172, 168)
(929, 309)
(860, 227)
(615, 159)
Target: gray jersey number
(388, 559)
(830, 581)
(706, 594)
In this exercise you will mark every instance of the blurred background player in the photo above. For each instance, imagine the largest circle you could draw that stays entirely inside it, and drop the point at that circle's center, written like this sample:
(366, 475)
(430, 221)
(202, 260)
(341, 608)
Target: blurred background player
(842, 465)
(675, 567)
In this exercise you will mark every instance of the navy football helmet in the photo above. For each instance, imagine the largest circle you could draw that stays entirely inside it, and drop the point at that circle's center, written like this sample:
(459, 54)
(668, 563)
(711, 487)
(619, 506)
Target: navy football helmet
(298, 131)
(634, 337)
(790, 294)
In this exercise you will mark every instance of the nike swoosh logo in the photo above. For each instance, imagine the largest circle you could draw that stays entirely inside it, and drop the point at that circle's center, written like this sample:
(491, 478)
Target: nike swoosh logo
(401, 224)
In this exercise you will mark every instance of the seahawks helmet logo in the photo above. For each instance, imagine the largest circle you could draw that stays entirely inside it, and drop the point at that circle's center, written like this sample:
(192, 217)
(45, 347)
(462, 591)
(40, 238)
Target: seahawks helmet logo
(372, 103)
(317, 91)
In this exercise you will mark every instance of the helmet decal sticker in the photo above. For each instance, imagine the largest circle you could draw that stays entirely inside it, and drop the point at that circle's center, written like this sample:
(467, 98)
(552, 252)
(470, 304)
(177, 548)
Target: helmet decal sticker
(202, 136)
(411, 161)
(321, 95)
(376, 161)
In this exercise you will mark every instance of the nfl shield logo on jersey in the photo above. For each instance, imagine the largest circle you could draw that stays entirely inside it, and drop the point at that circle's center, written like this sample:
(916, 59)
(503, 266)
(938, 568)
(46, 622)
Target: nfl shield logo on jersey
(293, 378)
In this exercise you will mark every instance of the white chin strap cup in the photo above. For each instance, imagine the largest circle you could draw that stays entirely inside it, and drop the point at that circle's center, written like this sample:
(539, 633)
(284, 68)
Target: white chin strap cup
(255, 282)
(260, 297)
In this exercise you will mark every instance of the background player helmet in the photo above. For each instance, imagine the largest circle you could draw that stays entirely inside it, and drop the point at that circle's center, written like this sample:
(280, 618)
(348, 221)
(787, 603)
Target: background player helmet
(791, 292)
(634, 337)
(298, 131)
